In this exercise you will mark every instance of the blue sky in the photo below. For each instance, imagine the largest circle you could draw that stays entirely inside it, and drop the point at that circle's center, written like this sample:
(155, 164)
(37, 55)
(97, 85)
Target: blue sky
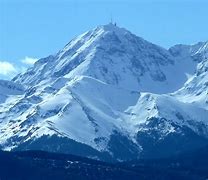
(30, 29)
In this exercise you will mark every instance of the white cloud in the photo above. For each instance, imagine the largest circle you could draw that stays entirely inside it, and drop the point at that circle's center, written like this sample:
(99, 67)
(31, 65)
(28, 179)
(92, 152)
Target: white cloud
(29, 60)
(7, 69)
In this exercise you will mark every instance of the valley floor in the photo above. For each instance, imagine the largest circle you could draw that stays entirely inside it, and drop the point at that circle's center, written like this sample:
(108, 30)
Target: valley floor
(33, 165)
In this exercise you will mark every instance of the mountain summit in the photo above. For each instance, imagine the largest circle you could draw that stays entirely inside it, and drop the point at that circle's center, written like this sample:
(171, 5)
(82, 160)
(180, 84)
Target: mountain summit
(111, 95)
(114, 56)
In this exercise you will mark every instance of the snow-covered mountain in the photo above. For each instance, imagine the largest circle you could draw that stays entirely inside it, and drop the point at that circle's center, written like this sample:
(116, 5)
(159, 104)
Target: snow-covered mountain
(109, 94)
(114, 56)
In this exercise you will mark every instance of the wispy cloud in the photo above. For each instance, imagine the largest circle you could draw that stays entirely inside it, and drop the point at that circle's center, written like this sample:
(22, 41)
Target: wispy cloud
(29, 60)
(7, 68)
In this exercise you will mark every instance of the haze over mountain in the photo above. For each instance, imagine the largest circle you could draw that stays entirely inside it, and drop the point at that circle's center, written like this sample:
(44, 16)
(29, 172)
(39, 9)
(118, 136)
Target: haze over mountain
(110, 95)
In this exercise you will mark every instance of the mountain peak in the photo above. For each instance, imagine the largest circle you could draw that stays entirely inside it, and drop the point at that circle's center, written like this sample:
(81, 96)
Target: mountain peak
(112, 27)
(109, 26)
(110, 54)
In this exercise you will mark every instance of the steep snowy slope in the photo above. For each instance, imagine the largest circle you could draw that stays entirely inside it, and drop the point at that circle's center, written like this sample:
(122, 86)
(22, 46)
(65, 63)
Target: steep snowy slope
(195, 90)
(85, 110)
(8, 88)
(110, 94)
